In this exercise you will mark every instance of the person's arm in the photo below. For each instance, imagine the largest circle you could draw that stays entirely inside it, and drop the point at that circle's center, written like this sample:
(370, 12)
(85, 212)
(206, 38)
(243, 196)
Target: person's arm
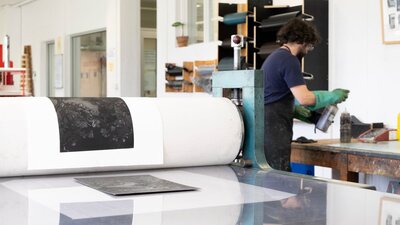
(303, 95)
(318, 99)
(312, 99)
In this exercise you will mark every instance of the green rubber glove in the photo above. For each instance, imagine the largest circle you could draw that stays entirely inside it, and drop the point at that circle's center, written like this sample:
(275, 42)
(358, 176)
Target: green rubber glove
(325, 98)
(302, 113)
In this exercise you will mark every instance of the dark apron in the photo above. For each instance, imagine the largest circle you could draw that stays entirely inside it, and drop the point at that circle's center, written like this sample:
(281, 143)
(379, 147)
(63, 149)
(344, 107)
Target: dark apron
(278, 135)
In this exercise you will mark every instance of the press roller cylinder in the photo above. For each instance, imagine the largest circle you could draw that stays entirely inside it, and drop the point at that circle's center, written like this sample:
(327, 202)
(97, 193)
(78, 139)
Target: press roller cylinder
(192, 132)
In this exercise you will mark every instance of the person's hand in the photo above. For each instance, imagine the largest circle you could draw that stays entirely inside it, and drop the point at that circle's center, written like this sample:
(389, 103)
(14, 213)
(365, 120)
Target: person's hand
(302, 113)
(341, 95)
(325, 98)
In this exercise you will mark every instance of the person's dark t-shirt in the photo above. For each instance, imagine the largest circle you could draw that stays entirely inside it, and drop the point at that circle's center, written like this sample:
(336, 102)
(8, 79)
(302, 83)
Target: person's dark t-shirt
(282, 71)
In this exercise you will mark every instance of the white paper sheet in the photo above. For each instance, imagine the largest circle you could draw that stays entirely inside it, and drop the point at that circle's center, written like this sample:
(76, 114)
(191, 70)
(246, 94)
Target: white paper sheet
(44, 141)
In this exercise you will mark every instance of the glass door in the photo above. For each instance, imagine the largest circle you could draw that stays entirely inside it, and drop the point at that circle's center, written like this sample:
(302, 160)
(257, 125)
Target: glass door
(149, 48)
(149, 74)
(50, 70)
(89, 65)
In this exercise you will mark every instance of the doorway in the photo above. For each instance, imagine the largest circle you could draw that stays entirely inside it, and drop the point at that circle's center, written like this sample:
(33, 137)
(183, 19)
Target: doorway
(149, 48)
(50, 69)
(89, 65)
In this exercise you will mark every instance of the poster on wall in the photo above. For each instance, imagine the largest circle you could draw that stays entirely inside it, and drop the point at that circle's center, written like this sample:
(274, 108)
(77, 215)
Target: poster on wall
(390, 16)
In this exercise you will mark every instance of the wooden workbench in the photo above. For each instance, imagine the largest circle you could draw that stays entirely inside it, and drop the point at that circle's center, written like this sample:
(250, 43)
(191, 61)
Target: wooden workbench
(349, 159)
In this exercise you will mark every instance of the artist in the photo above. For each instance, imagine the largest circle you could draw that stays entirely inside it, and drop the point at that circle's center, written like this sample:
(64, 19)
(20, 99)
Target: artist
(283, 84)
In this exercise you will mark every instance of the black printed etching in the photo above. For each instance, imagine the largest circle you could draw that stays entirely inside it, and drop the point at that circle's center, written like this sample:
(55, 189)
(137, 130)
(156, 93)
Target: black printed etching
(132, 185)
(88, 124)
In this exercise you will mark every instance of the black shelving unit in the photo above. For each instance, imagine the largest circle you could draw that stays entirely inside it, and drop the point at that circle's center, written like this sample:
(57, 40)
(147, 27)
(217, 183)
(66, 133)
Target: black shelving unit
(225, 31)
(246, 29)
(254, 35)
(316, 62)
(255, 53)
(267, 35)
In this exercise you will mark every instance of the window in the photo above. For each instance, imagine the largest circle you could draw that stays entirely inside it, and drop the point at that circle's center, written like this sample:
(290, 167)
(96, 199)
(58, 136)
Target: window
(50, 70)
(148, 13)
(149, 48)
(201, 22)
(89, 65)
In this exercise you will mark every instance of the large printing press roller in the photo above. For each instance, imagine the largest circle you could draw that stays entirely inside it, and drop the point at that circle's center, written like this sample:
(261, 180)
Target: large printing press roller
(42, 136)
(64, 135)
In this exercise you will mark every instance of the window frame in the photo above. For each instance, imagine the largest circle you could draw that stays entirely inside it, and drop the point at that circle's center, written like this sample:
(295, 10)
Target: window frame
(189, 14)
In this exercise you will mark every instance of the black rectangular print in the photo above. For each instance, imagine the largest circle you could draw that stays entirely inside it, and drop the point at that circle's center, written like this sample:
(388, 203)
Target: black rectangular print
(88, 124)
(131, 185)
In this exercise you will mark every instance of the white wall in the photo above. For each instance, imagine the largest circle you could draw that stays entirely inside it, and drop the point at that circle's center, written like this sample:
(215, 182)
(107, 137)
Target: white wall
(46, 20)
(361, 63)
(123, 48)
(9, 20)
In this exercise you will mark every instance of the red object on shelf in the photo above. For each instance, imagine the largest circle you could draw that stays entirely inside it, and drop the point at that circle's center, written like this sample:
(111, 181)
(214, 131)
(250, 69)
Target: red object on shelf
(8, 76)
(1, 56)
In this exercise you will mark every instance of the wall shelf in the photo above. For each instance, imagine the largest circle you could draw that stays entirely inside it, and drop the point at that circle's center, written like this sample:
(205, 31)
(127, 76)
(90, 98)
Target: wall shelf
(276, 6)
(259, 12)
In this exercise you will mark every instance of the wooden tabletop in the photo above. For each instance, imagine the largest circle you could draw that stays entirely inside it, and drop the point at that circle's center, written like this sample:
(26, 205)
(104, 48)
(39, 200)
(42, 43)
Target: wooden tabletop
(382, 158)
(386, 149)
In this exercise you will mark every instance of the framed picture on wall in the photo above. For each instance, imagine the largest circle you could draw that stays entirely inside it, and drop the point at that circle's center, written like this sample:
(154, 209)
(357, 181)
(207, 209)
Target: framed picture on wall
(389, 212)
(390, 16)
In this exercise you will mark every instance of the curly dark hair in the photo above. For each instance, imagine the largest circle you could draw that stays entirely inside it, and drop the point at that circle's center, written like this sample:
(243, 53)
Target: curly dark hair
(298, 31)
